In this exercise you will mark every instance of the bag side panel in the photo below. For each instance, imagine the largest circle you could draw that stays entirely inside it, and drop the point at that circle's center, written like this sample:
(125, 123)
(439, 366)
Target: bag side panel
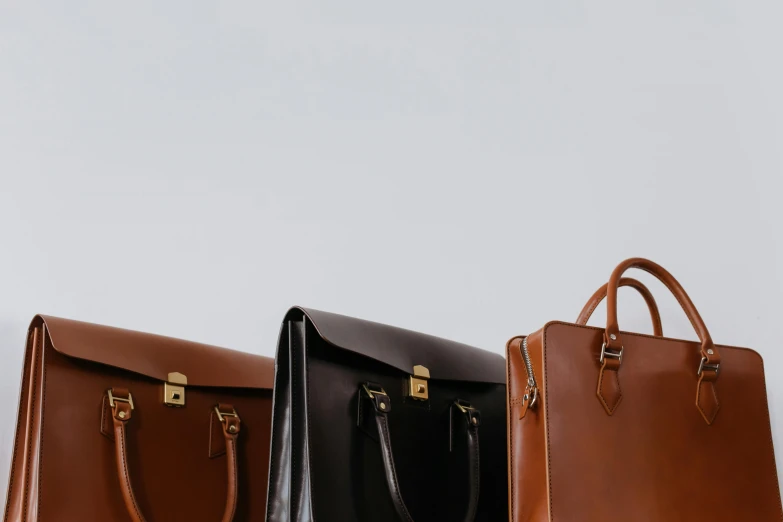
(16, 501)
(280, 480)
(301, 510)
(527, 464)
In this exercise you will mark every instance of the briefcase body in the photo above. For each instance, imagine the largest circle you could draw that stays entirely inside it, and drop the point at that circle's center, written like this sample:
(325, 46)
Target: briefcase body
(376, 423)
(116, 425)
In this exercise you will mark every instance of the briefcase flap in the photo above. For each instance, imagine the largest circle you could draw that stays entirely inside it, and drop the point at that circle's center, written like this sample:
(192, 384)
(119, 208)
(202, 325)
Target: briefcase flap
(404, 349)
(157, 356)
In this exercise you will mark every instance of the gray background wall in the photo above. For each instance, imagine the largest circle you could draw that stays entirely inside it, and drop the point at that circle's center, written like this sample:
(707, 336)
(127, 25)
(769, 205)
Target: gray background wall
(469, 170)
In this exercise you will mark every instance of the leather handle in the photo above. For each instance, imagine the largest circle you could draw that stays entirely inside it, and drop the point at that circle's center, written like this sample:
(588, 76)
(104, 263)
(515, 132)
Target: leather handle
(600, 294)
(121, 404)
(612, 333)
(609, 391)
(381, 406)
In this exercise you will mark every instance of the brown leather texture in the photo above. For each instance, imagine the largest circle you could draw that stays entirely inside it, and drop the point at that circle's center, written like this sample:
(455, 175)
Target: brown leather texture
(667, 445)
(79, 458)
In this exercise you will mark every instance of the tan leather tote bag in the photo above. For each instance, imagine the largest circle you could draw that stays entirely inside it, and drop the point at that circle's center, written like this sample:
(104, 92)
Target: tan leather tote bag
(613, 426)
(122, 426)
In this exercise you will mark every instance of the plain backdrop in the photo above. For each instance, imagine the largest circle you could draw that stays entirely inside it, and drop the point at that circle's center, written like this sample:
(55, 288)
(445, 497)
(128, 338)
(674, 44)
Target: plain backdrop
(470, 170)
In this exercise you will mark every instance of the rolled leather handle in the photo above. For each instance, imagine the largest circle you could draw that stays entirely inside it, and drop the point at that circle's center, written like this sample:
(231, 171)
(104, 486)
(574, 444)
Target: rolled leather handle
(612, 334)
(600, 294)
(121, 404)
(381, 406)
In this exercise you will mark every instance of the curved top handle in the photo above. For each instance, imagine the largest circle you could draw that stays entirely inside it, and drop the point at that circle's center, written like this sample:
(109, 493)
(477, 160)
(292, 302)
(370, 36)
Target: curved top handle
(600, 295)
(710, 355)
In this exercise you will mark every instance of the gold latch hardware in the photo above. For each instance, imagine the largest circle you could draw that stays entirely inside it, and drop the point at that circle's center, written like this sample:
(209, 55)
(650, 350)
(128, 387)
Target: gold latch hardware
(174, 390)
(418, 386)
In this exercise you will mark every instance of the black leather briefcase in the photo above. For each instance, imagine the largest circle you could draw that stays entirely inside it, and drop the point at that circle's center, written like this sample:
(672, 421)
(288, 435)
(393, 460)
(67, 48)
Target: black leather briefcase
(376, 423)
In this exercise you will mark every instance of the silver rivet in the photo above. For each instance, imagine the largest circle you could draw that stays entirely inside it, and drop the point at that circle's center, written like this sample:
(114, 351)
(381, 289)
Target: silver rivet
(613, 337)
(710, 351)
(121, 414)
(232, 429)
(383, 406)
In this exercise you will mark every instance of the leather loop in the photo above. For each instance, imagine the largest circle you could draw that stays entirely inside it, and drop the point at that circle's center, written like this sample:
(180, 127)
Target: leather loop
(122, 412)
(612, 334)
(381, 406)
(600, 294)
(609, 391)
(706, 395)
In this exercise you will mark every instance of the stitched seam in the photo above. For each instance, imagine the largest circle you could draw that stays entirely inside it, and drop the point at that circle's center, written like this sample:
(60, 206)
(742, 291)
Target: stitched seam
(509, 435)
(211, 427)
(698, 401)
(43, 418)
(34, 394)
(233, 501)
(272, 440)
(310, 496)
(647, 336)
(710, 419)
(106, 432)
(120, 436)
(715, 396)
(212, 418)
(600, 388)
(294, 414)
(546, 424)
(477, 482)
(271, 466)
(103, 412)
(398, 494)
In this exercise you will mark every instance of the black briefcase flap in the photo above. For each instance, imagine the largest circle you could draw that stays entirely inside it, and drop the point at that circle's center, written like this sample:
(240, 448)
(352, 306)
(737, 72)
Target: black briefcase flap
(403, 349)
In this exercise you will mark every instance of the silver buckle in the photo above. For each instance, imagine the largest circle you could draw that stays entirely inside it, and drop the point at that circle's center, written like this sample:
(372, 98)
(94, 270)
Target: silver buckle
(113, 399)
(614, 355)
(703, 366)
(222, 415)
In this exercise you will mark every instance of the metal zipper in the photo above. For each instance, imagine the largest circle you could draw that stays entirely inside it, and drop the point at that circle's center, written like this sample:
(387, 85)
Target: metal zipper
(531, 393)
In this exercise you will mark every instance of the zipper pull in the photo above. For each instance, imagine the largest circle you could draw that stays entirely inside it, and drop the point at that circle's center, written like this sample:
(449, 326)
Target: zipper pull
(528, 400)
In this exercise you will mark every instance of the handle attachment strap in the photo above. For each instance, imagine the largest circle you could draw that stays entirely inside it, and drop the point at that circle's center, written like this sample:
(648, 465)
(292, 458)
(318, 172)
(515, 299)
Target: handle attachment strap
(609, 385)
(381, 407)
(122, 407)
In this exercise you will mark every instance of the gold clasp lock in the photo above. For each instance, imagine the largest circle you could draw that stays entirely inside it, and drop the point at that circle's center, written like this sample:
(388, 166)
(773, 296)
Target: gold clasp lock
(419, 387)
(174, 390)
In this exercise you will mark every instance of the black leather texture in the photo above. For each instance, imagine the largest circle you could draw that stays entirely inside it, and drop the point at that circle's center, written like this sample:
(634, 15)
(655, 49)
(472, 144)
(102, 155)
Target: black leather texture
(327, 457)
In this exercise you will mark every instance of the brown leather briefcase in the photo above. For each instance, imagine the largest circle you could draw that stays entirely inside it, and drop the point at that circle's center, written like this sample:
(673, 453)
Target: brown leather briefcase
(606, 425)
(117, 426)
